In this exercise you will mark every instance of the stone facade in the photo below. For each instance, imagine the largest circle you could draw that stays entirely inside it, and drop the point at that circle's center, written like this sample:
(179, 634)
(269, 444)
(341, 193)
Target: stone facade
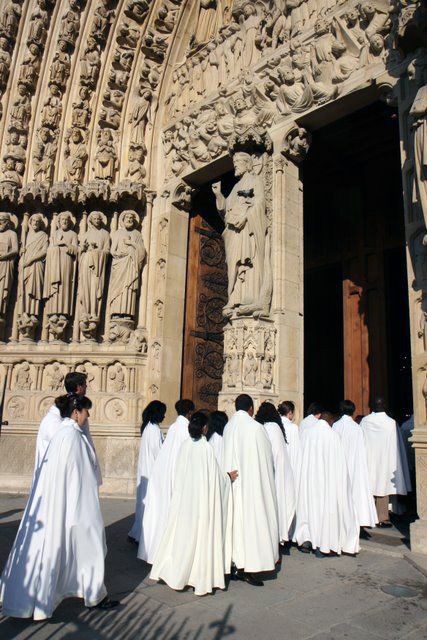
(112, 114)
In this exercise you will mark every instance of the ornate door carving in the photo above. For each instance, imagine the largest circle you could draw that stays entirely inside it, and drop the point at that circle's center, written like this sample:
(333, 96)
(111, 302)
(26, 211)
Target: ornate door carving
(204, 323)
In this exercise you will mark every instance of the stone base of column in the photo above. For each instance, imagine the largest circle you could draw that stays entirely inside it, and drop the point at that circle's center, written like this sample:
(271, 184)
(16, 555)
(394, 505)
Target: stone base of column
(419, 536)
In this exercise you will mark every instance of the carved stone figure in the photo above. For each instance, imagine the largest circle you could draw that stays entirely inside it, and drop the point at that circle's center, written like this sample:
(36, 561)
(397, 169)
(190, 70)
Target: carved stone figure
(249, 21)
(39, 22)
(60, 268)
(10, 16)
(266, 372)
(10, 173)
(75, 156)
(32, 266)
(141, 115)
(56, 378)
(137, 9)
(232, 370)
(8, 253)
(297, 145)
(20, 113)
(136, 170)
(101, 21)
(61, 64)
(117, 377)
(30, 66)
(90, 64)
(24, 380)
(16, 145)
(52, 108)
(245, 239)
(419, 114)
(81, 109)
(106, 161)
(128, 253)
(207, 21)
(94, 250)
(5, 61)
(250, 368)
(44, 155)
(70, 23)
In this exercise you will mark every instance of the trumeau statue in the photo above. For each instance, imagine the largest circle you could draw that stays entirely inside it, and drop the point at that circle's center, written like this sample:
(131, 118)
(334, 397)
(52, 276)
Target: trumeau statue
(60, 268)
(245, 236)
(8, 252)
(94, 250)
(128, 253)
(32, 266)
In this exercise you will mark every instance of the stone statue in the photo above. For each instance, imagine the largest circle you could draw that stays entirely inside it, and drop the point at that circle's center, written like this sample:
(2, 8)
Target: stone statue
(70, 23)
(61, 64)
(419, 114)
(117, 377)
(56, 378)
(141, 116)
(207, 21)
(128, 253)
(75, 156)
(32, 265)
(39, 23)
(249, 21)
(136, 170)
(90, 64)
(250, 368)
(24, 380)
(20, 113)
(52, 108)
(106, 161)
(10, 173)
(10, 16)
(60, 268)
(30, 66)
(5, 61)
(245, 237)
(44, 155)
(101, 21)
(94, 250)
(8, 253)
(81, 109)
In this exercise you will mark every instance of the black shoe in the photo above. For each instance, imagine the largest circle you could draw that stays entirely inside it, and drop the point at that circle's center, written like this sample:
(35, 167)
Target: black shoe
(384, 525)
(250, 579)
(105, 604)
(306, 547)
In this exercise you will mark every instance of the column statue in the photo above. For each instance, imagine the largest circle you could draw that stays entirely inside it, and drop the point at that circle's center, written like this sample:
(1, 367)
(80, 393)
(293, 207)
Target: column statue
(419, 113)
(245, 239)
(8, 253)
(94, 250)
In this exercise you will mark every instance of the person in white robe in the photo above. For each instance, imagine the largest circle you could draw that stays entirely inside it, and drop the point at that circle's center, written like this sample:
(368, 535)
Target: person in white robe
(195, 549)
(313, 414)
(151, 441)
(325, 515)
(216, 423)
(59, 551)
(255, 541)
(286, 410)
(354, 446)
(387, 462)
(74, 382)
(161, 483)
(268, 416)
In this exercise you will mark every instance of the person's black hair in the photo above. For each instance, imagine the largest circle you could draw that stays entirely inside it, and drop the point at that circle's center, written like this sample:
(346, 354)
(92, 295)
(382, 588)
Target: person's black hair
(216, 423)
(267, 412)
(314, 408)
(183, 407)
(285, 407)
(244, 402)
(379, 405)
(347, 408)
(73, 380)
(154, 412)
(197, 422)
(67, 403)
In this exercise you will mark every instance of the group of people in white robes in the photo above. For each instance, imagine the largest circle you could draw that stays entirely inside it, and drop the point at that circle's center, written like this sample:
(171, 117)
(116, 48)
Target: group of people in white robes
(59, 550)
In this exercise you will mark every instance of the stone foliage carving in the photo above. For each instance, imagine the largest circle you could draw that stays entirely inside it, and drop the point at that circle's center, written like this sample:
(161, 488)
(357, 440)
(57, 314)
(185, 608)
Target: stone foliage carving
(246, 239)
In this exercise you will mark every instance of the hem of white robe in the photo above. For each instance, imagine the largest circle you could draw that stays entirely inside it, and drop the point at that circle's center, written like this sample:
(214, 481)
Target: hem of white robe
(37, 614)
(181, 587)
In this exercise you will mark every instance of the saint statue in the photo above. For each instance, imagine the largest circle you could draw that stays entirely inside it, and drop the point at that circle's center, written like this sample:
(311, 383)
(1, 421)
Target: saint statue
(94, 250)
(8, 253)
(32, 265)
(60, 268)
(245, 240)
(419, 113)
(128, 253)
(75, 156)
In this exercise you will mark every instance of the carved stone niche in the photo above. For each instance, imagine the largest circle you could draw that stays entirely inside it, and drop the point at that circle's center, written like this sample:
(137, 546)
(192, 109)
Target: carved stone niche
(182, 196)
(53, 377)
(24, 377)
(117, 378)
(296, 144)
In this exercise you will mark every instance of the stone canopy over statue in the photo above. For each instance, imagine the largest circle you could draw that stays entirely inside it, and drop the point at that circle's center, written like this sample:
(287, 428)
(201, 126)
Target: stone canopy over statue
(246, 240)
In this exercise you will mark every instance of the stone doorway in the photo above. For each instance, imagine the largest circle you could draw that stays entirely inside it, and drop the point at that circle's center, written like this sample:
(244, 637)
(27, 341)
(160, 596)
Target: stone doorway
(356, 332)
(206, 295)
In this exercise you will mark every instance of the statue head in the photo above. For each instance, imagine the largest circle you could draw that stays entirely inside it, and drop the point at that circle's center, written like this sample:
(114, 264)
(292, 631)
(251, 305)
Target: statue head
(54, 89)
(376, 43)
(5, 221)
(128, 220)
(44, 134)
(36, 221)
(242, 163)
(65, 220)
(338, 48)
(76, 135)
(4, 44)
(96, 219)
(321, 26)
(22, 89)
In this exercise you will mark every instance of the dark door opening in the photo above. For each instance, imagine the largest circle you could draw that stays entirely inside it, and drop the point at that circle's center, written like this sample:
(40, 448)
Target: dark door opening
(356, 317)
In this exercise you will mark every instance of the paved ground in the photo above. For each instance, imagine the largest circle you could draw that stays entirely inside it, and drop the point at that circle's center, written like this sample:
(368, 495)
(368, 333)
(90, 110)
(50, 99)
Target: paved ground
(316, 598)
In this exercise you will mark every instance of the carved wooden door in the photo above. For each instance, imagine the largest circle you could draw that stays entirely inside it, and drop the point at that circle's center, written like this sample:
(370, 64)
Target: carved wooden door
(205, 298)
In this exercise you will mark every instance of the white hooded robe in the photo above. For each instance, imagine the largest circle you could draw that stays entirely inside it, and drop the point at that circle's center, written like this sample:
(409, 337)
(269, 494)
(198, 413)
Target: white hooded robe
(217, 443)
(325, 514)
(353, 443)
(159, 490)
(151, 441)
(60, 546)
(293, 444)
(195, 548)
(284, 479)
(255, 540)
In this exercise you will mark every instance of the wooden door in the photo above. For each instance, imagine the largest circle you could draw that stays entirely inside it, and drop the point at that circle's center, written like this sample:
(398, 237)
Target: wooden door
(206, 295)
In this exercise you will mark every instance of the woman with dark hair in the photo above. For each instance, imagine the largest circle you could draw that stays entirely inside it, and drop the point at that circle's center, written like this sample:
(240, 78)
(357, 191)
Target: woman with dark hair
(287, 414)
(63, 556)
(283, 474)
(216, 423)
(195, 549)
(151, 441)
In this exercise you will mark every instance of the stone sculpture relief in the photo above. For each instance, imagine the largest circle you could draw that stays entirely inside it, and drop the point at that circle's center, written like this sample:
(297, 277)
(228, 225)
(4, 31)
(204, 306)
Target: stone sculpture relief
(93, 250)
(55, 377)
(8, 251)
(23, 381)
(60, 274)
(106, 161)
(245, 239)
(76, 156)
(117, 378)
